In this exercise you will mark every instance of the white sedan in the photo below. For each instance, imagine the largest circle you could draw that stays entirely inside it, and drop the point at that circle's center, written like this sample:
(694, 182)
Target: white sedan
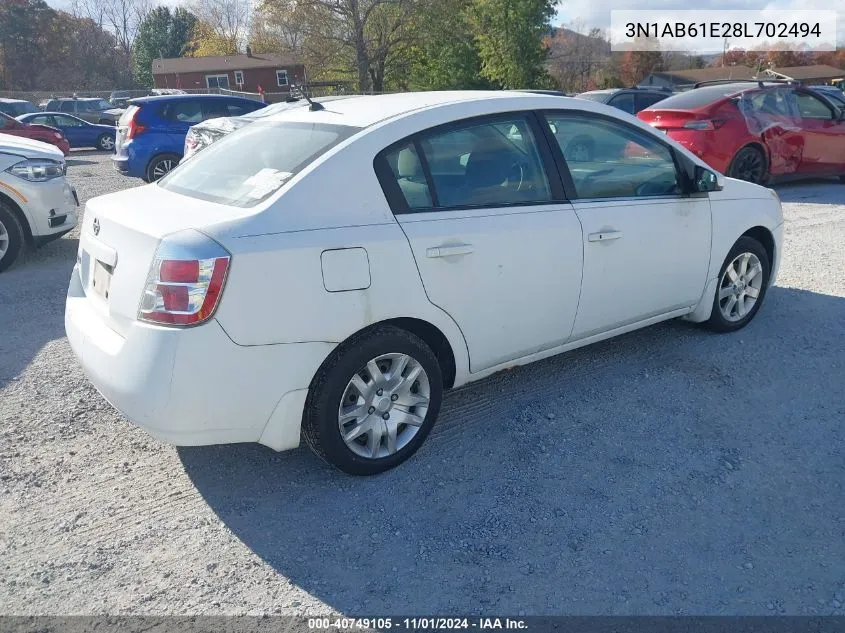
(37, 204)
(327, 272)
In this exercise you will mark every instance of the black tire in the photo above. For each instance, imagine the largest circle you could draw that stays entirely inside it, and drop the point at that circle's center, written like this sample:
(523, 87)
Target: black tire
(749, 165)
(718, 322)
(159, 164)
(12, 236)
(320, 427)
(105, 143)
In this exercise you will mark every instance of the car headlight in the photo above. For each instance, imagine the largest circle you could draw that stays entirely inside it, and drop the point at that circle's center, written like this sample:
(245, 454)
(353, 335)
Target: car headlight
(38, 169)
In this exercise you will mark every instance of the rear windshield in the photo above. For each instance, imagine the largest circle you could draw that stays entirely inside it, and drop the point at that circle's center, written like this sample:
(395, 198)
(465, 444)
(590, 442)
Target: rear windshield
(251, 164)
(17, 108)
(698, 97)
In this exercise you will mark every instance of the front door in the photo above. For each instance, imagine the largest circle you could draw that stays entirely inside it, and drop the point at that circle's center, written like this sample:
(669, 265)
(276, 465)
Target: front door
(646, 243)
(495, 247)
(824, 134)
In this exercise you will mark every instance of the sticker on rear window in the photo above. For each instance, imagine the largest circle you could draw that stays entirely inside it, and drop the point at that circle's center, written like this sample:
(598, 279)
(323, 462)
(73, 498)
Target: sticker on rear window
(265, 181)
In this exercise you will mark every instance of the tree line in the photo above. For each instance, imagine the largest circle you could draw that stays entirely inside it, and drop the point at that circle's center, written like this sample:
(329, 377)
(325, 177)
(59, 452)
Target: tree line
(371, 45)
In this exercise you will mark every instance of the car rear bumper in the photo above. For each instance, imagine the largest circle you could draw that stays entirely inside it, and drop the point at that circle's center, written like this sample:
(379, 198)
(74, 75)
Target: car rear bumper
(194, 386)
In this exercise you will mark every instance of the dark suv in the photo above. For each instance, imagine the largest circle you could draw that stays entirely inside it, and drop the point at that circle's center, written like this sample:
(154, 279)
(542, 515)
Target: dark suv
(90, 109)
(631, 100)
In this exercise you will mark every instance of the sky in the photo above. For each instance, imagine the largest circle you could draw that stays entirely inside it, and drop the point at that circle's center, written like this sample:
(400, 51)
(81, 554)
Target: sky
(596, 13)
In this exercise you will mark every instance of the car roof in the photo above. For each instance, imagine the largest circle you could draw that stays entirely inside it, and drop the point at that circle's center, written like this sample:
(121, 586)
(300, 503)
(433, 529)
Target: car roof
(49, 112)
(163, 98)
(365, 110)
(4, 100)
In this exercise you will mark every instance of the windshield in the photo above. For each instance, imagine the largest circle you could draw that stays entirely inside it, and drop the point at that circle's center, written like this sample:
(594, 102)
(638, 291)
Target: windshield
(251, 164)
(17, 108)
(595, 96)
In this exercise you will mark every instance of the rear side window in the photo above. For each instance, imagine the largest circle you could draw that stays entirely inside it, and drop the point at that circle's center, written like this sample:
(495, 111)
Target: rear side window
(624, 102)
(481, 164)
(249, 165)
(66, 106)
(645, 100)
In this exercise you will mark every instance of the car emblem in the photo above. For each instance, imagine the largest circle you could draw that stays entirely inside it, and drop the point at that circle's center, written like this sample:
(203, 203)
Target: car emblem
(96, 226)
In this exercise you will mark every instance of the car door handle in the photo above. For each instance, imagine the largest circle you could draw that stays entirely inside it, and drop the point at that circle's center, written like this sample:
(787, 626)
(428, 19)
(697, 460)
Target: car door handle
(604, 236)
(449, 250)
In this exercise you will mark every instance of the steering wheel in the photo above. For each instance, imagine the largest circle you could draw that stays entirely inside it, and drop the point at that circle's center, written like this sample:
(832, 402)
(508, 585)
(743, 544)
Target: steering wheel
(519, 168)
(600, 172)
(657, 186)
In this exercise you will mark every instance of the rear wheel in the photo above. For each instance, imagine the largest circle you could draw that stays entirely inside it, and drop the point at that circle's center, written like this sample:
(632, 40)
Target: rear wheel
(105, 142)
(749, 164)
(373, 401)
(11, 237)
(160, 166)
(743, 280)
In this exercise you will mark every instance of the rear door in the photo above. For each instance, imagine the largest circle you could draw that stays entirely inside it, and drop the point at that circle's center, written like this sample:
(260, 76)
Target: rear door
(646, 243)
(180, 115)
(496, 245)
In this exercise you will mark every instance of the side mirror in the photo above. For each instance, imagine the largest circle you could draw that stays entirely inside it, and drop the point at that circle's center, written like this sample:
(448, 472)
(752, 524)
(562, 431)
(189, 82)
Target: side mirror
(706, 180)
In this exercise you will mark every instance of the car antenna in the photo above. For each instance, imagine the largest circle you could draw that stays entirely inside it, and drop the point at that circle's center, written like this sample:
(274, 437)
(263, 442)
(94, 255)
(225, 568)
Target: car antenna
(312, 105)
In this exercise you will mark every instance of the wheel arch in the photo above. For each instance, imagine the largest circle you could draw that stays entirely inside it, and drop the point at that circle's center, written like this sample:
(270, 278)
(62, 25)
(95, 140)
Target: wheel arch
(431, 335)
(21, 216)
(759, 146)
(765, 237)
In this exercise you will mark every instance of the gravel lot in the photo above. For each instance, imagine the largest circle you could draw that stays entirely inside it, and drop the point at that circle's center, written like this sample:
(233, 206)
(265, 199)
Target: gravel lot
(670, 471)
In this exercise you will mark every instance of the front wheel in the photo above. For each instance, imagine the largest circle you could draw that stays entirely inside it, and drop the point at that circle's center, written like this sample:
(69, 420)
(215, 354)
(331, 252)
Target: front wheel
(12, 237)
(373, 401)
(160, 166)
(743, 280)
(105, 142)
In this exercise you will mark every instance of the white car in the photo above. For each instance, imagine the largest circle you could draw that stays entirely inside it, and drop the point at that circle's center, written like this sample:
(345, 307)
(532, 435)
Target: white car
(330, 271)
(37, 204)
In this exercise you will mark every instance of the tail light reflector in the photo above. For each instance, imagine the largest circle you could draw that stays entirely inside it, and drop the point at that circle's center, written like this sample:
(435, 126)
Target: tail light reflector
(185, 280)
(133, 128)
(704, 124)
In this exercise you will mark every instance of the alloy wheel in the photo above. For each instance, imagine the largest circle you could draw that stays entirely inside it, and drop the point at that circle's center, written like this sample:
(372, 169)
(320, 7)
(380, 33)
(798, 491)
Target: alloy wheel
(107, 143)
(749, 166)
(740, 287)
(4, 240)
(384, 405)
(162, 167)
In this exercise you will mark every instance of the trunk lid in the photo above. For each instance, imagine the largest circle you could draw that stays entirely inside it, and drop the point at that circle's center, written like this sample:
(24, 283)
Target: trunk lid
(120, 235)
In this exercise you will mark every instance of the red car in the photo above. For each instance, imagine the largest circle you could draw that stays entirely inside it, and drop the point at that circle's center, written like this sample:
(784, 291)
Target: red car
(755, 131)
(37, 132)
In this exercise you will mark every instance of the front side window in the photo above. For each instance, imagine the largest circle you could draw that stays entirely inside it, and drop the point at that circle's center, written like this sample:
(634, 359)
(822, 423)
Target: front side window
(608, 159)
(480, 164)
(251, 164)
(187, 111)
(811, 107)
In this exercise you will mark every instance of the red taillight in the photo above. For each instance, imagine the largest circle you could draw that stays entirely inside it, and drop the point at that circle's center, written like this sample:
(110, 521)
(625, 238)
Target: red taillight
(133, 128)
(184, 291)
(179, 271)
(704, 124)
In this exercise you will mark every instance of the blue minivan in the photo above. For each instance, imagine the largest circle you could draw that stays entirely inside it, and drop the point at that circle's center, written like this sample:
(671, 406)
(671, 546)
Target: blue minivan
(151, 133)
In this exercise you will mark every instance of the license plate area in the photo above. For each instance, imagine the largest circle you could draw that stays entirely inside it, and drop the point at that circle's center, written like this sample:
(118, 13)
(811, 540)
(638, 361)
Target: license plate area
(101, 279)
